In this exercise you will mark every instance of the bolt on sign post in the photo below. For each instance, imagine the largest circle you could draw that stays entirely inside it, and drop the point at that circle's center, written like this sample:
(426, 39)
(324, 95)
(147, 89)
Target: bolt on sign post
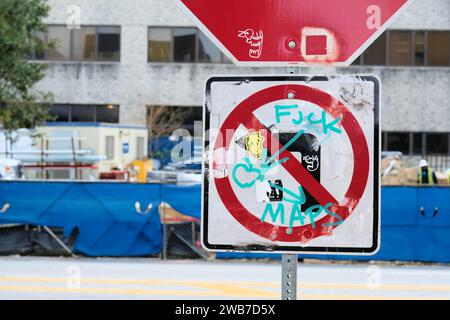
(292, 162)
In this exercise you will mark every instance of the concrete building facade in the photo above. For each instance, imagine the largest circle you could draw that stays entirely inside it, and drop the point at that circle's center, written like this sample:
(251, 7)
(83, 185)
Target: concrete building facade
(415, 98)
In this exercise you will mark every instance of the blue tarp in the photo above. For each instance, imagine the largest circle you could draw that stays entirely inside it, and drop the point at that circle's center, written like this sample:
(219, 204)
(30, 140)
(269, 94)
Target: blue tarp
(407, 232)
(185, 199)
(415, 221)
(104, 213)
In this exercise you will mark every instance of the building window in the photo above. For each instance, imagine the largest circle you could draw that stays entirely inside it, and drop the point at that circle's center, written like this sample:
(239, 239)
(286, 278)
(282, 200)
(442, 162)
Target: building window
(110, 146)
(376, 53)
(60, 37)
(207, 51)
(107, 114)
(397, 141)
(140, 147)
(82, 114)
(186, 45)
(108, 43)
(358, 61)
(160, 45)
(419, 48)
(400, 48)
(60, 113)
(405, 48)
(85, 113)
(437, 143)
(418, 144)
(38, 53)
(383, 141)
(184, 41)
(84, 44)
(439, 48)
(90, 43)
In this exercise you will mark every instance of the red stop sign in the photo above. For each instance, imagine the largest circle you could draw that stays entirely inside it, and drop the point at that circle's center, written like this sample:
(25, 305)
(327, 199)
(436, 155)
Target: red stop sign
(293, 32)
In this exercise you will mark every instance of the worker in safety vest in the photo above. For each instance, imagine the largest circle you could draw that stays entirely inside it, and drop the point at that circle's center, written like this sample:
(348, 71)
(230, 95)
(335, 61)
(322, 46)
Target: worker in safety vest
(427, 176)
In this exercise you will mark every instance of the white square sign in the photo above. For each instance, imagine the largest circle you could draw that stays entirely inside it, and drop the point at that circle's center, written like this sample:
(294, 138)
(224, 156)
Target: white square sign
(292, 164)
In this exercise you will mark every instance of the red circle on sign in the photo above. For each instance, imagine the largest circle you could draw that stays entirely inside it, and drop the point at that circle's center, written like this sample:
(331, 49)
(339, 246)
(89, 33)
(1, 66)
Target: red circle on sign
(243, 114)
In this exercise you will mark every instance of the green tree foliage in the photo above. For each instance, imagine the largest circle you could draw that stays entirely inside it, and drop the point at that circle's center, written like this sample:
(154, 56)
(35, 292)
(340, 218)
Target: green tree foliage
(20, 105)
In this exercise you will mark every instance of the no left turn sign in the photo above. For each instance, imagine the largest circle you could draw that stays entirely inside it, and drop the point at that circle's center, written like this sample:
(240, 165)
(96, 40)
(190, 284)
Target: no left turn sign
(292, 164)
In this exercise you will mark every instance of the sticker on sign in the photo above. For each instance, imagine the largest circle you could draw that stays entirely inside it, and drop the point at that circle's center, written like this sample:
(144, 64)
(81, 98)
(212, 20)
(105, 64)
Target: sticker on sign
(292, 164)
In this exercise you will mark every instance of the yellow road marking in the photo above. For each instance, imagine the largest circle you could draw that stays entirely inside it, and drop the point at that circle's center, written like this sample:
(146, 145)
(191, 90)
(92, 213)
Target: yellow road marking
(180, 293)
(215, 284)
(246, 289)
(236, 290)
(211, 288)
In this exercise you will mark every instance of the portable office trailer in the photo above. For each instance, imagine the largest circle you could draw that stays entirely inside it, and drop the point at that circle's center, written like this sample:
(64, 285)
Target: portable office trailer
(116, 144)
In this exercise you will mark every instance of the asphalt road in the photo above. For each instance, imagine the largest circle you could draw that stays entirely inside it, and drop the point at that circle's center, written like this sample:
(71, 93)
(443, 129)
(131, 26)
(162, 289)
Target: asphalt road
(81, 278)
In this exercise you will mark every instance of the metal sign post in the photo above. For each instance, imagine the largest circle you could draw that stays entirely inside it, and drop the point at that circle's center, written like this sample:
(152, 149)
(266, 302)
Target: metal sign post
(289, 277)
(289, 262)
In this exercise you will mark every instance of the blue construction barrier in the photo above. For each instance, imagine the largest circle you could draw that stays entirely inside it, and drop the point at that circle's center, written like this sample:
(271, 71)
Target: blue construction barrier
(415, 221)
(184, 199)
(415, 226)
(104, 213)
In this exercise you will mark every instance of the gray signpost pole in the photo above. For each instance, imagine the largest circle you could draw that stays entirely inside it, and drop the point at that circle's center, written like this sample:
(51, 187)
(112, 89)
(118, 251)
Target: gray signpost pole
(289, 262)
(289, 277)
